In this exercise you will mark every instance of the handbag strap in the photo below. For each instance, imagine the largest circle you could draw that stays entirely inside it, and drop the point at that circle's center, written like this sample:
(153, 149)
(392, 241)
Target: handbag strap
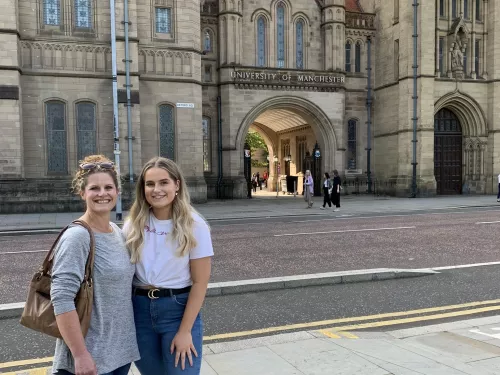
(89, 266)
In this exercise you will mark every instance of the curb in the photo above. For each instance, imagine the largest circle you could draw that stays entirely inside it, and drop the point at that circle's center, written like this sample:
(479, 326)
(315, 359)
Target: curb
(14, 310)
(299, 281)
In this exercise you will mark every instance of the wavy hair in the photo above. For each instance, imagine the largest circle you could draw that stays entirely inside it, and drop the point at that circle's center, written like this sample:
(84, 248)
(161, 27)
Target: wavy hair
(182, 212)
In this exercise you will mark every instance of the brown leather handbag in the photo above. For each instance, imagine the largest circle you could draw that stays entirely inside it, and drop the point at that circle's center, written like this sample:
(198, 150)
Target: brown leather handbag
(38, 312)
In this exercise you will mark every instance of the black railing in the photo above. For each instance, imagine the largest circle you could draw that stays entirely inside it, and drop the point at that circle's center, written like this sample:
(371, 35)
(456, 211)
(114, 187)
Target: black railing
(222, 191)
(358, 186)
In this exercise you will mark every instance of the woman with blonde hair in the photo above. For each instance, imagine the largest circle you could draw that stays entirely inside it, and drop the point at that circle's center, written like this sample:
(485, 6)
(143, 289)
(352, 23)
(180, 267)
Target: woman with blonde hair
(110, 345)
(308, 189)
(171, 245)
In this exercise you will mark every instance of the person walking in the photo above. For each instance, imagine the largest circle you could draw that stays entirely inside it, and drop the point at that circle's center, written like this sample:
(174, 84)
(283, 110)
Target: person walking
(498, 195)
(327, 190)
(171, 246)
(308, 189)
(336, 190)
(110, 345)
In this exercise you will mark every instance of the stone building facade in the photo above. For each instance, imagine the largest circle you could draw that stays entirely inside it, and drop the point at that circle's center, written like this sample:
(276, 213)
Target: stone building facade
(205, 72)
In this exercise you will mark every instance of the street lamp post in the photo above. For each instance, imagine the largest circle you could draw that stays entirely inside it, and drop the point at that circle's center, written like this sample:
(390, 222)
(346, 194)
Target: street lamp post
(275, 159)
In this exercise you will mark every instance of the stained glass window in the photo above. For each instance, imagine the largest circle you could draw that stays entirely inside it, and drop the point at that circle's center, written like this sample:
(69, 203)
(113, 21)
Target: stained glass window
(300, 45)
(55, 124)
(207, 42)
(207, 145)
(83, 14)
(351, 144)
(454, 9)
(281, 36)
(441, 54)
(441, 8)
(52, 12)
(477, 51)
(478, 10)
(348, 57)
(163, 20)
(357, 58)
(261, 42)
(86, 129)
(167, 131)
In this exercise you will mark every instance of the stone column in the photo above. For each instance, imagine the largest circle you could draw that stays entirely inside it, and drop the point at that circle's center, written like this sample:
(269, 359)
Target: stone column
(473, 42)
(11, 142)
(438, 73)
(485, 38)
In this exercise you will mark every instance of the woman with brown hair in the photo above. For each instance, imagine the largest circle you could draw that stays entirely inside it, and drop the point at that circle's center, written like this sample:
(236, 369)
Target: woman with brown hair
(171, 246)
(110, 345)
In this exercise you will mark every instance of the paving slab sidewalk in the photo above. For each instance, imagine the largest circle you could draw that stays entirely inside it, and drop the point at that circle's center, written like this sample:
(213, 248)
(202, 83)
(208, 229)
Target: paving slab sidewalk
(464, 347)
(270, 207)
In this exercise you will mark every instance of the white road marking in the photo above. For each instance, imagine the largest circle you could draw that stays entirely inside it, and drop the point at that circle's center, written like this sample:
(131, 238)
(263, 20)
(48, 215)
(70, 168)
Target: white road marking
(465, 266)
(343, 231)
(488, 222)
(23, 252)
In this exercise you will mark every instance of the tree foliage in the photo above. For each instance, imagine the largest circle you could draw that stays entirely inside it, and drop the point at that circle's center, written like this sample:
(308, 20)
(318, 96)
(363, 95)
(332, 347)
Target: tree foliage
(256, 142)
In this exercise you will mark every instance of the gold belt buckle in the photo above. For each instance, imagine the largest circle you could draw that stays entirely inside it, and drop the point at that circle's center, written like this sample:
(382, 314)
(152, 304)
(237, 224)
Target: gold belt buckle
(151, 293)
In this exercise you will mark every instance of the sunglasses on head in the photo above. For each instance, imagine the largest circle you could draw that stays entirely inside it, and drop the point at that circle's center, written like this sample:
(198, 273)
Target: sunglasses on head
(103, 165)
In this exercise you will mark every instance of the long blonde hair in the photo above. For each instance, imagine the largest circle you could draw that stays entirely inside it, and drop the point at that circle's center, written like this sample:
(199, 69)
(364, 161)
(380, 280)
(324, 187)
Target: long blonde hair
(182, 212)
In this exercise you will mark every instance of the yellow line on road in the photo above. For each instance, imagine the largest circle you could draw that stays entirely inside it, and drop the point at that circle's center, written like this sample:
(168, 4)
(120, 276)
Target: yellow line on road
(26, 362)
(345, 320)
(348, 335)
(33, 371)
(385, 323)
(332, 321)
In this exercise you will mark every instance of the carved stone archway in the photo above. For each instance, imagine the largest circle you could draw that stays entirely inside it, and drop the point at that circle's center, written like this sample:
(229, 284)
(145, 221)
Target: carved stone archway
(474, 137)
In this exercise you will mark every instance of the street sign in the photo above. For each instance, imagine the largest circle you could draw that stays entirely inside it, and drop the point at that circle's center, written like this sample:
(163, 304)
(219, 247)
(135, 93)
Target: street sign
(185, 105)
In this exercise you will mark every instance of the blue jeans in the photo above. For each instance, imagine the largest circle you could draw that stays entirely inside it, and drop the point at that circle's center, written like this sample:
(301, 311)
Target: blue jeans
(157, 322)
(119, 371)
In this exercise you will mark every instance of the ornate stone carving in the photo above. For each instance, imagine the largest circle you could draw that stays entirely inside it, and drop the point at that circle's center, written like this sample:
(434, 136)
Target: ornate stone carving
(165, 62)
(360, 20)
(65, 57)
(459, 34)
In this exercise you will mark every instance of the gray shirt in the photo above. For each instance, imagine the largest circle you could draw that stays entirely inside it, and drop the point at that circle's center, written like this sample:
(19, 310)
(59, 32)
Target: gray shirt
(111, 338)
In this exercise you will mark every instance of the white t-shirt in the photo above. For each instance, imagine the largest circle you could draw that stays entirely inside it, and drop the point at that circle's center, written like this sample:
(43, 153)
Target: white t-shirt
(160, 266)
(499, 178)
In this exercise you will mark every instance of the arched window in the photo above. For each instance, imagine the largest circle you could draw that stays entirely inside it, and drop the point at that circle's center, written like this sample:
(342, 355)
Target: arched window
(86, 129)
(261, 41)
(55, 124)
(299, 45)
(166, 123)
(280, 12)
(83, 14)
(351, 144)
(207, 144)
(348, 56)
(207, 41)
(52, 12)
(357, 58)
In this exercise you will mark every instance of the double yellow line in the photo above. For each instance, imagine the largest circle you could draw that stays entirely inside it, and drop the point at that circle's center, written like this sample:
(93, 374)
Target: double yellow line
(464, 309)
(339, 328)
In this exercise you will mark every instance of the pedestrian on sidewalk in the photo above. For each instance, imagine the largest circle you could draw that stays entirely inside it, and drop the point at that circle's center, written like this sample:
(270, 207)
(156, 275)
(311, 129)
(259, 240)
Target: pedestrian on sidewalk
(498, 195)
(110, 345)
(336, 190)
(171, 246)
(308, 189)
(327, 191)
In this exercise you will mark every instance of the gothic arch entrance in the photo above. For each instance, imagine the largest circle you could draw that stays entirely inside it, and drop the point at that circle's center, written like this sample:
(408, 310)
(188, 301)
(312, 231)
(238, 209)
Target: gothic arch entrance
(448, 153)
(297, 127)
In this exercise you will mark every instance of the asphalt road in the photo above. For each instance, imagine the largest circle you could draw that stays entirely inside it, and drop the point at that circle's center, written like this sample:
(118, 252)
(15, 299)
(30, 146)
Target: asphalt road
(250, 249)
(235, 314)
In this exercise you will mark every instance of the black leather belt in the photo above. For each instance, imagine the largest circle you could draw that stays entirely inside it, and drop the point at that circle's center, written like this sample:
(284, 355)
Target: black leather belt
(158, 293)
